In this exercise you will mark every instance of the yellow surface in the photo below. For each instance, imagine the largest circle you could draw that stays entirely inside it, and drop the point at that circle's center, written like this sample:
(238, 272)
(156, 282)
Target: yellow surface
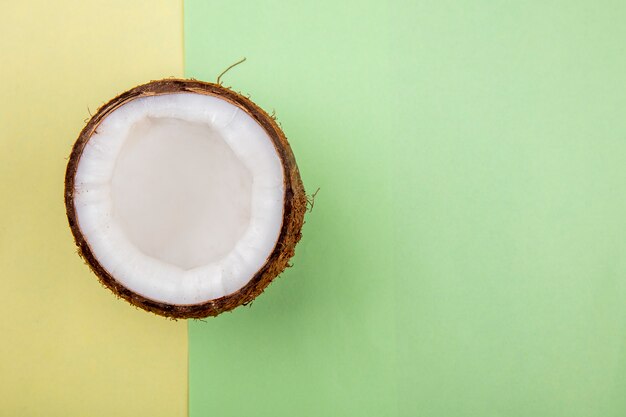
(68, 347)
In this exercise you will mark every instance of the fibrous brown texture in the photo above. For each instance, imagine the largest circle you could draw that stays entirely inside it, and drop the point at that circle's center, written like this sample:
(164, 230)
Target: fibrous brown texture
(293, 210)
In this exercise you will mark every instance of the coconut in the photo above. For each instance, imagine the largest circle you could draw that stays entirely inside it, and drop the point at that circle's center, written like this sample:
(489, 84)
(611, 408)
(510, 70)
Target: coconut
(184, 198)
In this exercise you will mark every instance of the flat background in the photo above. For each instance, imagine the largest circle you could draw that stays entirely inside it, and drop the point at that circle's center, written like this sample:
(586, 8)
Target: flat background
(467, 251)
(67, 346)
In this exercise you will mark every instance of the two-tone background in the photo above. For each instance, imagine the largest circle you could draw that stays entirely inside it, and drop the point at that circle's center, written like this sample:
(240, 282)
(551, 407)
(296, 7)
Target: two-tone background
(467, 251)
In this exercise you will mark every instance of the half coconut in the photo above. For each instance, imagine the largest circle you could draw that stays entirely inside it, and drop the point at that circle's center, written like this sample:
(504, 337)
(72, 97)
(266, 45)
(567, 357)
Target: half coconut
(184, 198)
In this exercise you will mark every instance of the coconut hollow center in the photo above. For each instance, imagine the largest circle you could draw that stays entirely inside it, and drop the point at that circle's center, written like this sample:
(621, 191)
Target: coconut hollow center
(179, 192)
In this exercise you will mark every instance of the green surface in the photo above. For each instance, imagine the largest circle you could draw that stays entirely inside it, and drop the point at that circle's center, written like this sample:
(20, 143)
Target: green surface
(467, 251)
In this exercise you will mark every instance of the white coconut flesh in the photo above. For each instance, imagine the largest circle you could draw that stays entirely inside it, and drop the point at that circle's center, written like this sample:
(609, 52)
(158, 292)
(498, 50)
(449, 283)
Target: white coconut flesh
(180, 197)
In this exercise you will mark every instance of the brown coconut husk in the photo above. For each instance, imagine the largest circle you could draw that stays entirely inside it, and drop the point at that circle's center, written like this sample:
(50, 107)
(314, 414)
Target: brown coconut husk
(293, 211)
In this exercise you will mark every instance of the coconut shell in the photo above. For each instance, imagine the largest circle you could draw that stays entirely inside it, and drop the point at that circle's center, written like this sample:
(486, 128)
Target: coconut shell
(293, 212)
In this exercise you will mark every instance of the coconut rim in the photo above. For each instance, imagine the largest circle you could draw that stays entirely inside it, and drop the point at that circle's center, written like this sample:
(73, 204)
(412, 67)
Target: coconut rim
(294, 204)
